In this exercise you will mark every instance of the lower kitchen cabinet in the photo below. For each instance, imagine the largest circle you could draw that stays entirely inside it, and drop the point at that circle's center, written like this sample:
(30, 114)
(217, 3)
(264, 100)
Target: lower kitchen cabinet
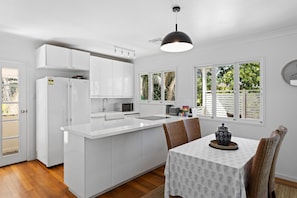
(98, 154)
(87, 164)
(154, 148)
(126, 156)
(94, 166)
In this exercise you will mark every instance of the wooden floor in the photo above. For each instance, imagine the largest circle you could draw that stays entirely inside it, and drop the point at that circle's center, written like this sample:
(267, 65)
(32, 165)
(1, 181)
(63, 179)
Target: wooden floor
(33, 180)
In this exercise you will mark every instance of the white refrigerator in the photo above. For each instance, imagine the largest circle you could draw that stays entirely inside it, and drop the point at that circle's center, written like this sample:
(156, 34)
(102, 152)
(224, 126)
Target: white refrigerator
(59, 102)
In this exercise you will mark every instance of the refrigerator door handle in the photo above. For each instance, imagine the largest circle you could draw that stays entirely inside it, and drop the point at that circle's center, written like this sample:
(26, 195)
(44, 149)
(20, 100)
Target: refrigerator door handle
(69, 95)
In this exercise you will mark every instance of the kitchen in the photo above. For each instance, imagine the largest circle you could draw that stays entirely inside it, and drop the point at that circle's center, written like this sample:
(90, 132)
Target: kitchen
(103, 140)
(278, 48)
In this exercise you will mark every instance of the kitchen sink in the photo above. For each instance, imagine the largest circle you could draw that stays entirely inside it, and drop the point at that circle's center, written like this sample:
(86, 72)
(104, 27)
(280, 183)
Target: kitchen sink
(154, 117)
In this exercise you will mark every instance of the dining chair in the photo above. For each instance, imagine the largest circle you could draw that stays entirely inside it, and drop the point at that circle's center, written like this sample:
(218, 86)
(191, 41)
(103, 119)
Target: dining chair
(271, 184)
(175, 133)
(192, 128)
(261, 165)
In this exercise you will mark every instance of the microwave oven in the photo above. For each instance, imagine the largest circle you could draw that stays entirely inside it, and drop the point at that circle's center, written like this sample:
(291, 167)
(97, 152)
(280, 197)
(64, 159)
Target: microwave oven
(127, 107)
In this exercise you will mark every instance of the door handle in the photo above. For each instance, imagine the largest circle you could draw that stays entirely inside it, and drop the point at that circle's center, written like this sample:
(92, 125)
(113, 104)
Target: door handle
(24, 111)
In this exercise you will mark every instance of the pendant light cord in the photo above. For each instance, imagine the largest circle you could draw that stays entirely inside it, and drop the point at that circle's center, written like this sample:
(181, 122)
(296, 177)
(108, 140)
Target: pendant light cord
(176, 20)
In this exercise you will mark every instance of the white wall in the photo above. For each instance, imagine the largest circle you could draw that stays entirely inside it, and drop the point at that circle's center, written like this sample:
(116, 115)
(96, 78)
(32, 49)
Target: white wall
(280, 102)
(18, 49)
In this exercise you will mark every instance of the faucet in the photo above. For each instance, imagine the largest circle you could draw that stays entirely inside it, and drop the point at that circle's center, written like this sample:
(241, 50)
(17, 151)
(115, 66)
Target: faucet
(103, 104)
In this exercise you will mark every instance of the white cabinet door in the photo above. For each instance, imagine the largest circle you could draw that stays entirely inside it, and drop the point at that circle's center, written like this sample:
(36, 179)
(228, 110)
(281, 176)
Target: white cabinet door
(126, 156)
(117, 86)
(52, 57)
(94, 76)
(100, 77)
(80, 60)
(128, 80)
(154, 147)
(111, 79)
(98, 165)
(123, 81)
(79, 102)
(105, 78)
(56, 117)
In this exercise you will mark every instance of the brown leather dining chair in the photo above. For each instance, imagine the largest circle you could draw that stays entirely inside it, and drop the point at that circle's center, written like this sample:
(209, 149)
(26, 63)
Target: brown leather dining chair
(271, 184)
(192, 128)
(261, 165)
(175, 133)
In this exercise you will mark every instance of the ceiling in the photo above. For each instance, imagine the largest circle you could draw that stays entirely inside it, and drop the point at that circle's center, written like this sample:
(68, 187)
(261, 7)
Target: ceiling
(99, 25)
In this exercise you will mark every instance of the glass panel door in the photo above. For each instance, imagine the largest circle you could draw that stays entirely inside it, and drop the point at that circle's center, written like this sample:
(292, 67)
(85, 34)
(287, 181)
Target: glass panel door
(12, 135)
(10, 124)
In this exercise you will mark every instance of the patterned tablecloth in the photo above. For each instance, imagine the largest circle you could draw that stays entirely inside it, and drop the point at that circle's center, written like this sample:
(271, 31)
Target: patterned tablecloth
(196, 170)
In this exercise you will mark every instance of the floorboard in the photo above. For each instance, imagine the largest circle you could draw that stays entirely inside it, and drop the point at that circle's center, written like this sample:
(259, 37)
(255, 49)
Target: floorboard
(33, 180)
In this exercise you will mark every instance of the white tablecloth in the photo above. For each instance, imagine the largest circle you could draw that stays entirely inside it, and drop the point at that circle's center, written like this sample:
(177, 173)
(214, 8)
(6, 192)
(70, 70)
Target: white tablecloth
(196, 170)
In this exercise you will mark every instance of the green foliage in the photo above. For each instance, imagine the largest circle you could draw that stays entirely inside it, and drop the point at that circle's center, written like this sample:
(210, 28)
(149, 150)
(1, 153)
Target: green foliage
(249, 78)
(225, 77)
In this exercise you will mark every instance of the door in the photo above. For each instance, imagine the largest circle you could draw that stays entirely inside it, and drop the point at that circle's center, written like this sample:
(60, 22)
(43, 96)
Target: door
(117, 79)
(14, 114)
(100, 77)
(79, 101)
(57, 116)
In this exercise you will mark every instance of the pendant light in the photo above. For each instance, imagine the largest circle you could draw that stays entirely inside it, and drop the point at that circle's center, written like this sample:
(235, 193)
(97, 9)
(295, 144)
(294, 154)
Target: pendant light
(176, 41)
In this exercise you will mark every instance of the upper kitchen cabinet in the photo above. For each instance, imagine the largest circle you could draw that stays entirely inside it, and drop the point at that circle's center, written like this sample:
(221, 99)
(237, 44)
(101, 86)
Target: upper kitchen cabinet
(111, 79)
(100, 77)
(55, 57)
(80, 60)
(128, 80)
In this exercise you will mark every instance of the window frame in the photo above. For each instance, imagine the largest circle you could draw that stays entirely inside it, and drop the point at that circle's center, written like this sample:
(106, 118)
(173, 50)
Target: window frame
(150, 87)
(236, 118)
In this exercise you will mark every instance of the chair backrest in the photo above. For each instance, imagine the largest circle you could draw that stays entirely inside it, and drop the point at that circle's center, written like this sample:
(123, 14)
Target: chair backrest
(192, 128)
(261, 165)
(271, 185)
(175, 133)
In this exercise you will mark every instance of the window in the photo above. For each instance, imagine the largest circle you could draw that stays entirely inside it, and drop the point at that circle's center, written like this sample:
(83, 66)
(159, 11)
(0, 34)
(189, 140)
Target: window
(169, 83)
(157, 84)
(158, 87)
(144, 87)
(230, 91)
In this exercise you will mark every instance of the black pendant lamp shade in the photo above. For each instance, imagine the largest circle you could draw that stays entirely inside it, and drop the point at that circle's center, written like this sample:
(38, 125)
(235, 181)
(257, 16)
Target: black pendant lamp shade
(176, 41)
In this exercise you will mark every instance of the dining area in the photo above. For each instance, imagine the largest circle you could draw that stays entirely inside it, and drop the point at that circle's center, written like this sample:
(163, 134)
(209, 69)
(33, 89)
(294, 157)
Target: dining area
(219, 164)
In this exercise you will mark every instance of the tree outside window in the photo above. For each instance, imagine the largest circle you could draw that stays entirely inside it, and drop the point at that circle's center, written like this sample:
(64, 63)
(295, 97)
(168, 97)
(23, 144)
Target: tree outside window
(169, 81)
(157, 86)
(144, 86)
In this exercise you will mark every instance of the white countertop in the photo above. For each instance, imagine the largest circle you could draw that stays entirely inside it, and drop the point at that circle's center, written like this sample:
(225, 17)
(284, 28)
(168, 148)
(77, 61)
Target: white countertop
(103, 129)
(102, 114)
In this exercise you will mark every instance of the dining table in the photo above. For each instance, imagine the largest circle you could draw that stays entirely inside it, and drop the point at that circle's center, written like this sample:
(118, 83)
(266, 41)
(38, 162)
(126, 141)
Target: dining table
(198, 170)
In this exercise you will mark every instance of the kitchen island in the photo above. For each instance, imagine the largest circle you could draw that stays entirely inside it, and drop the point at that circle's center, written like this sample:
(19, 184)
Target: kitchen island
(101, 156)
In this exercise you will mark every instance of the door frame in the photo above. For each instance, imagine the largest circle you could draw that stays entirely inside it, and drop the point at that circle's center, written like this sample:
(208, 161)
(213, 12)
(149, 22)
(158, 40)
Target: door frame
(22, 115)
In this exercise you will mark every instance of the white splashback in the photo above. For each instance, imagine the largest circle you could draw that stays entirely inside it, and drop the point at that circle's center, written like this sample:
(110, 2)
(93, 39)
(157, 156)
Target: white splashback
(110, 104)
(151, 109)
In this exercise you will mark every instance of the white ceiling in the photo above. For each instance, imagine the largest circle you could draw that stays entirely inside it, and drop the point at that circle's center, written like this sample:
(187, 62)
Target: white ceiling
(99, 25)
